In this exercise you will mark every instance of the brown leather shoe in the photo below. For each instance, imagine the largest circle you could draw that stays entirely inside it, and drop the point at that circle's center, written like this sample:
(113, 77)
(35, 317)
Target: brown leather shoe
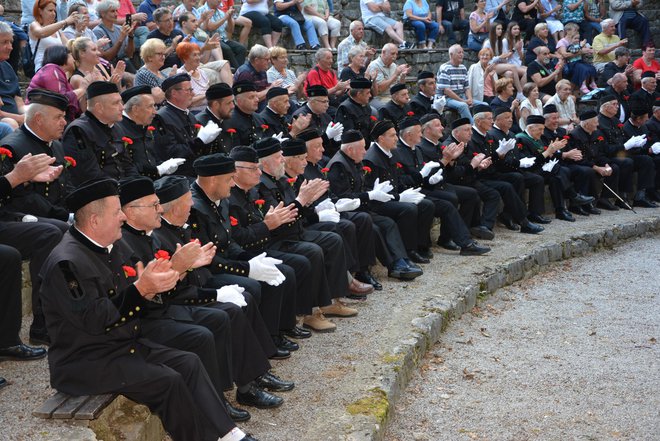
(357, 287)
(317, 322)
(338, 309)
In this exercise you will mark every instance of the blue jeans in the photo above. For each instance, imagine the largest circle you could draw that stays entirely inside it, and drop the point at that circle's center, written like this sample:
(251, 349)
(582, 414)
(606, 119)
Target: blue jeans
(638, 22)
(5, 129)
(462, 108)
(475, 44)
(461, 25)
(295, 31)
(422, 29)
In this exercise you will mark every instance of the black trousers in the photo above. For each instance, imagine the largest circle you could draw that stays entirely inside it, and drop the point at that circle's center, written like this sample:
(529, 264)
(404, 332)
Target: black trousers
(179, 391)
(527, 180)
(559, 185)
(656, 164)
(389, 246)
(10, 299)
(414, 221)
(34, 241)
(365, 239)
(233, 52)
(582, 176)
(304, 278)
(490, 200)
(513, 205)
(646, 172)
(612, 181)
(452, 226)
(467, 201)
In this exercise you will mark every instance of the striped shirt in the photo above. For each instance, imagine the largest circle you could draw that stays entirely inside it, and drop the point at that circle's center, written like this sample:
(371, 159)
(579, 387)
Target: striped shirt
(452, 77)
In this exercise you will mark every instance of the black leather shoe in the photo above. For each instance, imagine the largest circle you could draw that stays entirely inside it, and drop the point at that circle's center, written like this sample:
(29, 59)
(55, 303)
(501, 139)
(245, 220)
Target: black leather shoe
(508, 223)
(417, 258)
(39, 336)
(412, 264)
(482, 232)
(3, 382)
(367, 277)
(564, 215)
(272, 383)
(297, 332)
(285, 344)
(401, 270)
(578, 209)
(281, 354)
(606, 204)
(474, 249)
(22, 352)
(531, 228)
(538, 219)
(425, 253)
(249, 438)
(581, 199)
(642, 201)
(259, 398)
(237, 415)
(448, 245)
(589, 208)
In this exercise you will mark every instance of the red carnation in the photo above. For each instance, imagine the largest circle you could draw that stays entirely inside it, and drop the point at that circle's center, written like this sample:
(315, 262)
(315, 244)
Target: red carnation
(233, 221)
(162, 254)
(519, 145)
(620, 125)
(366, 169)
(373, 118)
(127, 141)
(151, 128)
(490, 141)
(198, 126)
(442, 147)
(129, 271)
(600, 138)
(260, 202)
(231, 131)
(264, 126)
(291, 181)
(69, 162)
(545, 147)
(626, 97)
(410, 113)
(566, 137)
(475, 154)
(5, 153)
(325, 171)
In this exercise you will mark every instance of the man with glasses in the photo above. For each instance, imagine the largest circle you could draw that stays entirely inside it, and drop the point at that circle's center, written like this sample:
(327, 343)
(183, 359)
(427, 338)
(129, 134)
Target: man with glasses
(122, 44)
(165, 31)
(275, 115)
(176, 134)
(254, 71)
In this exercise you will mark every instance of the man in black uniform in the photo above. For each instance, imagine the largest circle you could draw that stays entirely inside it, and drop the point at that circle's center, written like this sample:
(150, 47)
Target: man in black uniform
(178, 135)
(94, 141)
(639, 153)
(619, 88)
(422, 103)
(139, 112)
(412, 213)
(93, 303)
(428, 175)
(398, 107)
(43, 127)
(322, 248)
(316, 109)
(355, 112)
(653, 130)
(220, 104)
(646, 95)
(17, 241)
(346, 176)
(244, 126)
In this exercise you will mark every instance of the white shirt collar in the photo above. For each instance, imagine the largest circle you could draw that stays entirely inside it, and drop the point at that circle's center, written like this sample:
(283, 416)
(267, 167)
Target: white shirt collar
(388, 154)
(412, 147)
(183, 110)
(109, 247)
(32, 131)
(478, 131)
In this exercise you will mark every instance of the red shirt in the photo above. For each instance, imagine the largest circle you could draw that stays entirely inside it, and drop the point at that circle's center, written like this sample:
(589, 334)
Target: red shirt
(640, 64)
(225, 5)
(125, 7)
(320, 77)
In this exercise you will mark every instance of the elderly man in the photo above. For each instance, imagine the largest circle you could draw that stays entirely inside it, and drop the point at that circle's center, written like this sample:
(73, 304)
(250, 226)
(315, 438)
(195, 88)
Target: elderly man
(11, 102)
(94, 140)
(398, 107)
(564, 101)
(386, 73)
(275, 115)
(177, 134)
(625, 14)
(93, 304)
(355, 38)
(121, 45)
(428, 175)
(254, 71)
(606, 43)
(540, 74)
(408, 208)
(639, 153)
(452, 82)
(244, 126)
(323, 75)
(618, 65)
(647, 94)
(163, 29)
(375, 15)
(652, 127)
(618, 86)
(314, 115)
(355, 112)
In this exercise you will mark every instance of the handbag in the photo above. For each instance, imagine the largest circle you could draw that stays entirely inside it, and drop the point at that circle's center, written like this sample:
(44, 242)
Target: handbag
(295, 13)
(27, 59)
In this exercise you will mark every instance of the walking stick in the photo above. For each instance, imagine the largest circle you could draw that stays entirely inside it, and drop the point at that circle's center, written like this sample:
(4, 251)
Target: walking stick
(619, 198)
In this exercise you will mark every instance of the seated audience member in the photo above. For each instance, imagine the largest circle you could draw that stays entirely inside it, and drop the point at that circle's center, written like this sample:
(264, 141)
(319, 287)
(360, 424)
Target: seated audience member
(90, 65)
(148, 7)
(254, 71)
(356, 64)
(618, 86)
(200, 75)
(450, 16)
(152, 53)
(452, 82)
(385, 73)
(503, 57)
(45, 30)
(640, 154)
(355, 38)
(398, 108)
(482, 77)
(550, 12)
(540, 73)
(220, 22)
(505, 98)
(11, 101)
(418, 14)
(646, 62)
(594, 14)
(126, 8)
(290, 12)
(374, 17)
(269, 26)
(605, 44)
(245, 23)
(121, 45)
(500, 11)
(210, 47)
(479, 26)
(531, 105)
(314, 115)
(526, 14)
(619, 65)
(318, 12)
(626, 15)
(564, 101)
(323, 75)
(580, 72)
(166, 32)
(279, 71)
(541, 37)
(220, 105)
(81, 27)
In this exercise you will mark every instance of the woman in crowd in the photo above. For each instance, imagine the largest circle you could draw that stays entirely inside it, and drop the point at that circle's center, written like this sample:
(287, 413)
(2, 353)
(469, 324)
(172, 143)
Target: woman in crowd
(418, 14)
(357, 64)
(227, 6)
(505, 98)
(581, 73)
(210, 48)
(531, 105)
(54, 75)
(482, 77)
(280, 71)
(646, 62)
(45, 31)
(190, 55)
(270, 27)
(479, 26)
(501, 59)
(152, 53)
(318, 11)
(551, 13)
(88, 62)
(525, 14)
(541, 37)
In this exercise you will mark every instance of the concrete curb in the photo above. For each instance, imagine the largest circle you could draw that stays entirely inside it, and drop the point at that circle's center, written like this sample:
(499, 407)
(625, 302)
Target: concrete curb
(435, 315)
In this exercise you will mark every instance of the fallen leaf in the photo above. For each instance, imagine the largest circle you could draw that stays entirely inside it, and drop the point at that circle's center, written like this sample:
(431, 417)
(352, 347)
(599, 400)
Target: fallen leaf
(484, 333)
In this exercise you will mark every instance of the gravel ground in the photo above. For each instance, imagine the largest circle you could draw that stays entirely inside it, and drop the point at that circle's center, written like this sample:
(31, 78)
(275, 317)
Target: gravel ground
(567, 355)
(331, 370)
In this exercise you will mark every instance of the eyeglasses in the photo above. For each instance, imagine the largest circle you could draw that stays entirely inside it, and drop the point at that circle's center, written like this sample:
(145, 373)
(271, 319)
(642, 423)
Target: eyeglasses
(247, 168)
(160, 54)
(155, 206)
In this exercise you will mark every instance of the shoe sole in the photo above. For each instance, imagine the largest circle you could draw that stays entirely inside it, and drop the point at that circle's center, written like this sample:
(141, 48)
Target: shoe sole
(473, 253)
(259, 406)
(35, 341)
(298, 337)
(483, 235)
(405, 276)
(339, 315)
(240, 420)
(321, 331)
(280, 358)
(276, 389)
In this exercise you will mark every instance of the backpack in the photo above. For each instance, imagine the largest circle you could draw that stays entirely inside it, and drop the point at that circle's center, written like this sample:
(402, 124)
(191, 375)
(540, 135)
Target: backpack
(27, 59)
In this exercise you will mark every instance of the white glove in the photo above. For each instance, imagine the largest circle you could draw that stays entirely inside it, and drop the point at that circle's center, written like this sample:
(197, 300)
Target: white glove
(412, 195)
(328, 216)
(346, 204)
(428, 167)
(437, 177)
(209, 132)
(324, 205)
(231, 294)
(263, 268)
(635, 141)
(439, 103)
(655, 148)
(69, 221)
(505, 146)
(334, 131)
(527, 162)
(30, 218)
(548, 166)
(280, 137)
(381, 191)
(168, 167)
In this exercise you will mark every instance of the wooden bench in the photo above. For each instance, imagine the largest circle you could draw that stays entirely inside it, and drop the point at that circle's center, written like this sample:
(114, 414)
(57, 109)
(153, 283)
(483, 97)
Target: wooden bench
(63, 406)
